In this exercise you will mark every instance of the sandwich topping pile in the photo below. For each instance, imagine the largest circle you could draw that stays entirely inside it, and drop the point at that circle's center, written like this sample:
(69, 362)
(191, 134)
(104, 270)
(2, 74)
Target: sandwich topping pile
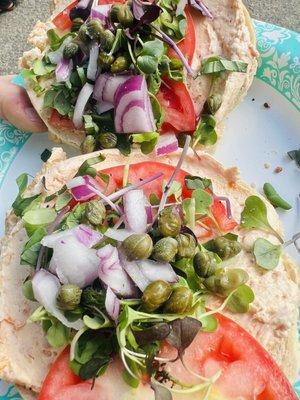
(120, 75)
(130, 274)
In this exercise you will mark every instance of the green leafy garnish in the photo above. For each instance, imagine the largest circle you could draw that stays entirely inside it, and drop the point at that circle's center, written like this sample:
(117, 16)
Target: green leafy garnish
(205, 131)
(240, 299)
(31, 249)
(86, 167)
(195, 182)
(158, 112)
(254, 216)
(146, 140)
(20, 204)
(75, 217)
(89, 125)
(150, 55)
(203, 201)
(274, 198)
(189, 210)
(215, 65)
(175, 189)
(59, 97)
(62, 200)
(27, 289)
(41, 68)
(38, 218)
(266, 254)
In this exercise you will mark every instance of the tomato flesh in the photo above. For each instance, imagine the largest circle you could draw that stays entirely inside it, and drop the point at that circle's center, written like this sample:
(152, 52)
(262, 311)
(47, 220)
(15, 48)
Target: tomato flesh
(178, 106)
(247, 370)
(62, 20)
(60, 122)
(188, 44)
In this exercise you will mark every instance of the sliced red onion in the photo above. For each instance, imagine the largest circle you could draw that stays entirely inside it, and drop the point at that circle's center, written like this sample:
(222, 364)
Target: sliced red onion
(57, 55)
(200, 6)
(106, 86)
(103, 106)
(228, 204)
(93, 62)
(83, 3)
(73, 262)
(63, 70)
(133, 111)
(118, 234)
(80, 105)
(149, 212)
(174, 174)
(112, 274)
(153, 271)
(112, 304)
(134, 272)
(80, 189)
(135, 210)
(100, 12)
(166, 144)
(83, 233)
(45, 288)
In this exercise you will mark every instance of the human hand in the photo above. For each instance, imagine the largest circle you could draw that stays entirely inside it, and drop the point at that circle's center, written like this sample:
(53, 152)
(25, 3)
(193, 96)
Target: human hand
(16, 108)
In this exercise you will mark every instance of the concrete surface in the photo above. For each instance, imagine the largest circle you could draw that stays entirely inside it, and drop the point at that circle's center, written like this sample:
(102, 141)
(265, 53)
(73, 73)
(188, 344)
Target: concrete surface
(15, 25)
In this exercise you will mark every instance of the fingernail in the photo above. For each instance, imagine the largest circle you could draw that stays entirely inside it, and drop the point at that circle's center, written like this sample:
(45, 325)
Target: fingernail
(32, 114)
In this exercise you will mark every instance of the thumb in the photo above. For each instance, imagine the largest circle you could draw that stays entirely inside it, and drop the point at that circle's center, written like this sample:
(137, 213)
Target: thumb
(16, 108)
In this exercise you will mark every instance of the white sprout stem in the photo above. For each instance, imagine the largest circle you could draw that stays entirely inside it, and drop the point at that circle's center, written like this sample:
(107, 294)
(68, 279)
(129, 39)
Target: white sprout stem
(132, 357)
(123, 358)
(143, 356)
(106, 199)
(217, 310)
(193, 372)
(175, 172)
(115, 196)
(119, 222)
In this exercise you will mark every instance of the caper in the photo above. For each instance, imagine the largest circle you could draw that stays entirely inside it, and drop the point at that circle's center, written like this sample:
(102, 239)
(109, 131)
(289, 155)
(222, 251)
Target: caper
(70, 50)
(138, 246)
(213, 103)
(180, 301)
(155, 295)
(108, 140)
(105, 60)
(225, 248)
(165, 249)
(205, 264)
(95, 29)
(227, 281)
(121, 13)
(76, 24)
(186, 245)
(83, 34)
(68, 297)
(169, 222)
(95, 212)
(107, 40)
(120, 64)
(88, 145)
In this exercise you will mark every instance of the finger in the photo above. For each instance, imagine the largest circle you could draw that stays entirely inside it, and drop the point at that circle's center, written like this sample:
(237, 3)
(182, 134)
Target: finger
(16, 108)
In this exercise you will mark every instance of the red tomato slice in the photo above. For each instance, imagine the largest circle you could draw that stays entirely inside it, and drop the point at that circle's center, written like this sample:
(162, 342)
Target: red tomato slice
(60, 122)
(248, 371)
(188, 44)
(146, 169)
(62, 21)
(219, 212)
(178, 106)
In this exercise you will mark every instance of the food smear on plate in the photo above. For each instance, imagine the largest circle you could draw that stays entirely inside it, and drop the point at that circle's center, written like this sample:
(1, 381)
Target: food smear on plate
(161, 280)
(138, 74)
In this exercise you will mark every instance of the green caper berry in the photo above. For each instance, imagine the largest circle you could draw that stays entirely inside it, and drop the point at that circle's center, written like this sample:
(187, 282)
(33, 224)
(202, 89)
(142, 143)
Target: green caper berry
(213, 103)
(180, 301)
(205, 264)
(107, 40)
(88, 145)
(225, 248)
(138, 246)
(70, 50)
(95, 212)
(76, 24)
(95, 29)
(227, 281)
(165, 249)
(186, 245)
(68, 297)
(108, 140)
(121, 13)
(83, 34)
(105, 60)
(169, 222)
(120, 64)
(155, 295)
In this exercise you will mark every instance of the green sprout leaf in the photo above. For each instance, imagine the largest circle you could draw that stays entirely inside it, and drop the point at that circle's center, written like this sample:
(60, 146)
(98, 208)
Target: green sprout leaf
(254, 216)
(38, 218)
(203, 201)
(31, 249)
(20, 204)
(195, 182)
(86, 167)
(266, 254)
(205, 131)
(58, 335)
(240, 299)
(215, 65)
(146, 140)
